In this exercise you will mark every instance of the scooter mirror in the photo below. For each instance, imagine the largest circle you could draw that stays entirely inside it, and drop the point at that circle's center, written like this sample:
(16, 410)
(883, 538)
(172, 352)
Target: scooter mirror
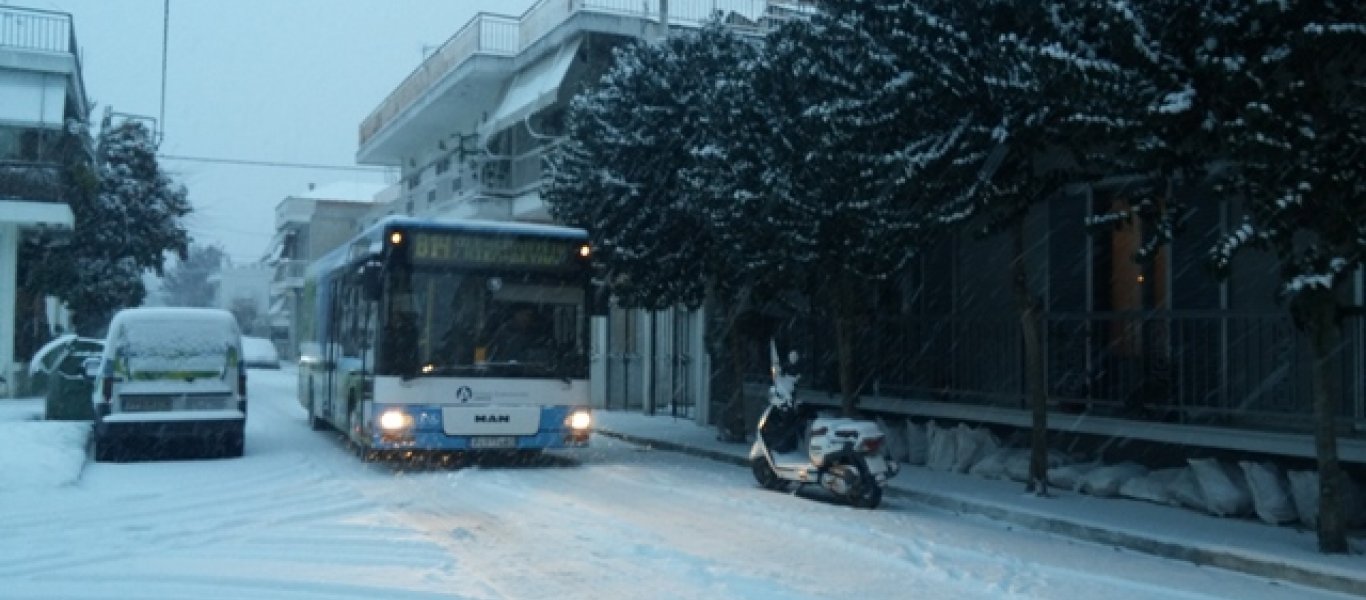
(792, 357)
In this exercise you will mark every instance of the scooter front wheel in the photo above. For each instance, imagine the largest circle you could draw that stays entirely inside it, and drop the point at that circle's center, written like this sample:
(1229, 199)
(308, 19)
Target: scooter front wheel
(764, 474)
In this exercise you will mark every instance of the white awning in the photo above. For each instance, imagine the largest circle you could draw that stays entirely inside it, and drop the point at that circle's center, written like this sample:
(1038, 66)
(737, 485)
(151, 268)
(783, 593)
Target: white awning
(532, 89)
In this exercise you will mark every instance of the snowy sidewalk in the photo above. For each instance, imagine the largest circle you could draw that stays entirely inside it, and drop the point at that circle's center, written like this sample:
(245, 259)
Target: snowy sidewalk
(1244, 545)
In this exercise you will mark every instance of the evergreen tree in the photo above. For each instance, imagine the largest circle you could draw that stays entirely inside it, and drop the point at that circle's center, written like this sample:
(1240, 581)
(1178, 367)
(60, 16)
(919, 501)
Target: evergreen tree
(620, 173)
(858, 119)
(1052, 107)
(1285, 87)
(192, 281)
(1267, 101)
(127, 217)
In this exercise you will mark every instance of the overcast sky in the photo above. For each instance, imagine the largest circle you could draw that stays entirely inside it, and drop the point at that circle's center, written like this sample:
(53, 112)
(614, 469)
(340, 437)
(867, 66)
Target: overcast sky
(262, 80)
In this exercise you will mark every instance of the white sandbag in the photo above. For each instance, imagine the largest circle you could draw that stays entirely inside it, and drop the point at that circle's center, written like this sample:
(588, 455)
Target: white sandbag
(1068, 477)
(1105, 481)
(1304, 492)
(1017, 467)
(917, 443)
(1225, 490)
(993, 465)
(943, 447)
(895, 434)
(1185, 492)
(1152, 487)
(1270, 492)
(972, 446)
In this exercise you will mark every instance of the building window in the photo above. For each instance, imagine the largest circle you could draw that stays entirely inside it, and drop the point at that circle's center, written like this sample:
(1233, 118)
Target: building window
(431, 197)
(443, 165)
(457, 183)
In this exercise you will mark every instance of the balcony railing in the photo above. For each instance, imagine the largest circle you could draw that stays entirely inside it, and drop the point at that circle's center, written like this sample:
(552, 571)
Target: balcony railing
(33, 29)
(496, 35)
(34, 182)
(290, 272)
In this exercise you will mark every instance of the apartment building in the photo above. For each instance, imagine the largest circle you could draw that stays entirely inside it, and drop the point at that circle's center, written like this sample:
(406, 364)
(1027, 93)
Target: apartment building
(308, 225)
(43, 125)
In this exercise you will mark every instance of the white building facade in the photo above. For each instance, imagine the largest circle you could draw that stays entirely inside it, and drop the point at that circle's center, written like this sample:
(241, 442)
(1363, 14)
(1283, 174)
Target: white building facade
(42, 94)
(469, 129)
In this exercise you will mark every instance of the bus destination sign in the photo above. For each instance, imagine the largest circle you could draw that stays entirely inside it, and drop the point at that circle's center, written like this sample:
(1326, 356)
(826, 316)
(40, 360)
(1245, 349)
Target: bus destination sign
(431, 248)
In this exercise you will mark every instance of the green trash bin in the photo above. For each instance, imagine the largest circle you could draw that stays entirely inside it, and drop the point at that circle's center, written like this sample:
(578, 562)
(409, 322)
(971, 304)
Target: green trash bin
(68, 387)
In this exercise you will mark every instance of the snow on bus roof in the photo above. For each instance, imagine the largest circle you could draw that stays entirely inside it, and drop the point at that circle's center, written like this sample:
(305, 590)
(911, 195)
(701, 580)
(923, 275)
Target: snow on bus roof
(484, 225)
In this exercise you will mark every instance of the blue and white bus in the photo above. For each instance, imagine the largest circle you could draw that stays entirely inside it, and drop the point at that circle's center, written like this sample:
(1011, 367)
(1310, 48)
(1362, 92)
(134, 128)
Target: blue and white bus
(450, 335)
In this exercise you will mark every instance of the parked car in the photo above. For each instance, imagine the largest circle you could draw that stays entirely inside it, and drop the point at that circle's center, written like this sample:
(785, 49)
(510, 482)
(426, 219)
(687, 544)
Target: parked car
(259, 353)
(171, 374)
(68, 384)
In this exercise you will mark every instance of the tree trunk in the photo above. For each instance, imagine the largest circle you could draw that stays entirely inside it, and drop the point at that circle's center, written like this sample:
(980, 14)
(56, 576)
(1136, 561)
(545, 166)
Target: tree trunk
(1028, 305)
(1319, 319)
(847, 324)
(725, 346)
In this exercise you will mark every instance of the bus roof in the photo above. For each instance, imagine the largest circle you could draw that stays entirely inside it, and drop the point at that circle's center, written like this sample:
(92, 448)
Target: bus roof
(374, 234)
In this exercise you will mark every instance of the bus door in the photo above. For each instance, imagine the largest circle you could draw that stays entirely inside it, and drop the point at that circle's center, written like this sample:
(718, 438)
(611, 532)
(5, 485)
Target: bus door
(331, 348)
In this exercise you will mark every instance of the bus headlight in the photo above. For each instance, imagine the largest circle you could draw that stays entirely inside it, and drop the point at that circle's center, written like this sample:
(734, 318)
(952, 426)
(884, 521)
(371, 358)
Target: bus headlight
(391, 420)
(579, 420)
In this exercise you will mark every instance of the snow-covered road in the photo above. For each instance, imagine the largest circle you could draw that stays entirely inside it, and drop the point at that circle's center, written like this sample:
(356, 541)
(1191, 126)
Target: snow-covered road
(300, 517)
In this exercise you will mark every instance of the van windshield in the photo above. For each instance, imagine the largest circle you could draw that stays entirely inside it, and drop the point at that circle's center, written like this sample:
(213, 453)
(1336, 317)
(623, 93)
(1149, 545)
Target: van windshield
(175, 348)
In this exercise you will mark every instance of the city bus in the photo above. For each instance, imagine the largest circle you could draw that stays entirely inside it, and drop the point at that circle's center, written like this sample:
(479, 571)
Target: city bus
(450, 335)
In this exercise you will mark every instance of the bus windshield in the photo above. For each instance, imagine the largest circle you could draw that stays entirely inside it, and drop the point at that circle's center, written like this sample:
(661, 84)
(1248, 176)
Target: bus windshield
(484, 323)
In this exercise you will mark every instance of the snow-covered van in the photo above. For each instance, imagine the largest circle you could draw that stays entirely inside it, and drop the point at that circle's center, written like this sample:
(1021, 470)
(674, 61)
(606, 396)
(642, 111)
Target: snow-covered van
(171, 374)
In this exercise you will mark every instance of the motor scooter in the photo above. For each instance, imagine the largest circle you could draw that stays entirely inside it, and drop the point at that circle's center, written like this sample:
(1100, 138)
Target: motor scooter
(848, 457)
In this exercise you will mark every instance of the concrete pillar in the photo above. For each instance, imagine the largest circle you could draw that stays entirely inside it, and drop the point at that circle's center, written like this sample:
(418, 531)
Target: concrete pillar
(700, 367)
(9, 276)
(597, 364)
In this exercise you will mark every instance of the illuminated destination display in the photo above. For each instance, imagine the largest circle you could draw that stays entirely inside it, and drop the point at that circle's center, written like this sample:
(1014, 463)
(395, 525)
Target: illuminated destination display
(455, 248)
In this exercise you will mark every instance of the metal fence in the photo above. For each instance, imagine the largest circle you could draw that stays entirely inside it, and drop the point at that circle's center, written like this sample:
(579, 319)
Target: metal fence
(1205, 367)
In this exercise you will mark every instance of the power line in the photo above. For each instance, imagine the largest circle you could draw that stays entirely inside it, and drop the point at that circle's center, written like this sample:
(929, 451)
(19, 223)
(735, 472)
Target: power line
(271, 163)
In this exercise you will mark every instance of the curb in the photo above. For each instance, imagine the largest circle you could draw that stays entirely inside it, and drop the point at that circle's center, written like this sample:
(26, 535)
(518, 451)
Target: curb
(1258, 567)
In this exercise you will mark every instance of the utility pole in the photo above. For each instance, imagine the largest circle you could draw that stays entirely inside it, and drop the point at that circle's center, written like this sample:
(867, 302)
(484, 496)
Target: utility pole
(165, 37)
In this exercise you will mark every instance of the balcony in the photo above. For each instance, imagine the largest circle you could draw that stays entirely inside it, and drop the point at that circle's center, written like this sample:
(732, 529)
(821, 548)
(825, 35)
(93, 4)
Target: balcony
(31, 182)
(454, 88)
(289, 274)
(34, 45)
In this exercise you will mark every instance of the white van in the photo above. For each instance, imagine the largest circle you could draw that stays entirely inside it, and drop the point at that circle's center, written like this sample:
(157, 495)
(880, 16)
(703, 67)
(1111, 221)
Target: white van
(171, 374)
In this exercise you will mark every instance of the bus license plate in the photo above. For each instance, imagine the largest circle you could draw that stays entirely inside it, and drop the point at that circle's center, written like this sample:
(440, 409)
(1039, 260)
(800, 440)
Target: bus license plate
(493, 441)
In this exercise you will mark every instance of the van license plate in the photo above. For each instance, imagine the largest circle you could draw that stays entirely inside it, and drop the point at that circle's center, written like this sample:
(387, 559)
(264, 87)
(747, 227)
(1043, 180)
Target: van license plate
(153, 404)
(493, 441)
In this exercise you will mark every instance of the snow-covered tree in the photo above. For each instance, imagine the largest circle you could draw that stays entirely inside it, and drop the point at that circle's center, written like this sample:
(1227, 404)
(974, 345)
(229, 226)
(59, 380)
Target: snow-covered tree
(191, 282)
(127, 217)
(1267, 101)
(1051, 107)
(619, 174)
(1281, 107)
(857, 126)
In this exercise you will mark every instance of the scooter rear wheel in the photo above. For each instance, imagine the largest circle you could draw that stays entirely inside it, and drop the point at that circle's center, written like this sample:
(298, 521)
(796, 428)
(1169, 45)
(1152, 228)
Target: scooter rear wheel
(868, 494)
(764, 474)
